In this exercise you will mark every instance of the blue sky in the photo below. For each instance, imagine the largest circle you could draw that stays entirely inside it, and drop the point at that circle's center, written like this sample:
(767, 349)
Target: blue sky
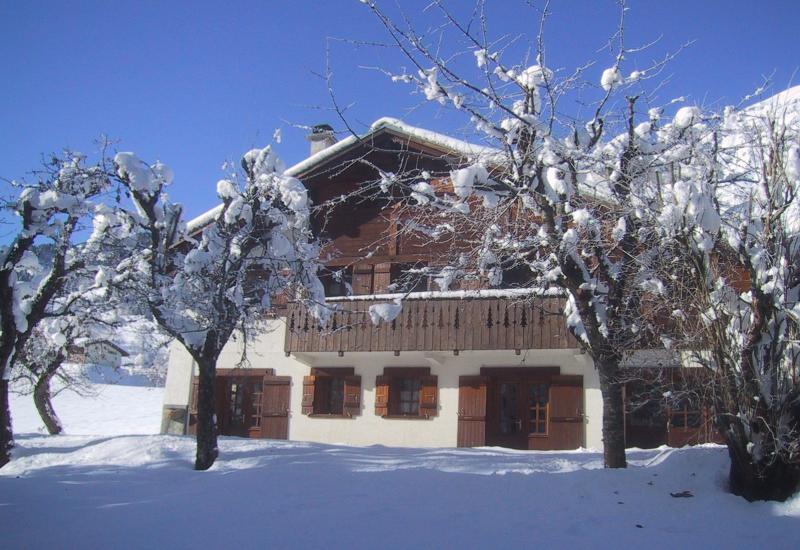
(196, 83)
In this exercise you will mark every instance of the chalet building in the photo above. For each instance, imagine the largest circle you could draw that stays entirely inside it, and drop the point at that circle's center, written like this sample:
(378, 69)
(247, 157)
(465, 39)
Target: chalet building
(468, 367)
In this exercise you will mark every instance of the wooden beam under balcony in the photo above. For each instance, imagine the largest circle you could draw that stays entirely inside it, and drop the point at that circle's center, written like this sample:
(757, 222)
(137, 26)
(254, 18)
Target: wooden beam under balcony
(433, 325)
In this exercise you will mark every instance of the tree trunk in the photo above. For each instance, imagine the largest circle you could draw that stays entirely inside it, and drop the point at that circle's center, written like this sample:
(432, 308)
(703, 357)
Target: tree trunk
(613, 414)
(754, 480)
(44, 404)
(207, 450)
(6, 435)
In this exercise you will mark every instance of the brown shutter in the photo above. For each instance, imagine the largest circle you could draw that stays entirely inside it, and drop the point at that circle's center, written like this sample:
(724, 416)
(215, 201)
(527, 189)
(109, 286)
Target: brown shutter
(352, 396)
(191, 428)
(382, 395)
(566, 413)
(429, 396)
(382, 278)
(309, 385)
(275, 407)
(362, 279)
(472, 411)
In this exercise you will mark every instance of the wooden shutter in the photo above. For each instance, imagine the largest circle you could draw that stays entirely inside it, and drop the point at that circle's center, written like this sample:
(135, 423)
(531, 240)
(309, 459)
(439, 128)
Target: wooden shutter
(382, 278)
(275, 407)
(382, 395)
(566, 413)
(191, 427)
(352, 396)
(309, 385)
(429, 396)
(472, 411)
(362, 279)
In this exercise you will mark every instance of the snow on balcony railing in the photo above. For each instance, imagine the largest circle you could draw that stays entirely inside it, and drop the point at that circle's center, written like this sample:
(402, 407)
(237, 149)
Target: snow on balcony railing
(435, 321)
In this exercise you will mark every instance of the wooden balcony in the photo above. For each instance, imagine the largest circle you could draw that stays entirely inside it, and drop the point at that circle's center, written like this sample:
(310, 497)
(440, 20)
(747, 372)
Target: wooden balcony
(434, 325)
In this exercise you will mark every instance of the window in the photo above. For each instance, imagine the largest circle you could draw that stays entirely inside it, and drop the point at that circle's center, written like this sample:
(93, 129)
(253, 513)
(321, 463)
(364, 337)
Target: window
(517, 275)
(538, 399)
(337, 281)
(409, 395)
(685, 415)
(406, 392)
(409, 277)
(332, 391)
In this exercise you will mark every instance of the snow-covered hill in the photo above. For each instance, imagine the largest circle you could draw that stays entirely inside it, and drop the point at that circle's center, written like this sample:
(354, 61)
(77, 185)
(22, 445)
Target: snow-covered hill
(107, 409)
(139, 491)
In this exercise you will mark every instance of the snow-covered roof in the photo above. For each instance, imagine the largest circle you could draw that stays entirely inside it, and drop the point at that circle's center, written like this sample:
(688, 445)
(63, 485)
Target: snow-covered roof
(421, 135)
(788, 99)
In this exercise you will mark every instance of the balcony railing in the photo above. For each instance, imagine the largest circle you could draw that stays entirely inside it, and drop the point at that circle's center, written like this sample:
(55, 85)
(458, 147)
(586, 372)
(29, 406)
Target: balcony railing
(434, 325)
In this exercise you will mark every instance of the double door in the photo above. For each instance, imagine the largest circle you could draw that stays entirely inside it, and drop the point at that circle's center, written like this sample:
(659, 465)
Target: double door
(521, 411)
(520, 408)
(248, 403)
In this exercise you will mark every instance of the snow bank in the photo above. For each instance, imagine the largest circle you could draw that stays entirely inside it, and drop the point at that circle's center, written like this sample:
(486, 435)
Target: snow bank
(140, 492)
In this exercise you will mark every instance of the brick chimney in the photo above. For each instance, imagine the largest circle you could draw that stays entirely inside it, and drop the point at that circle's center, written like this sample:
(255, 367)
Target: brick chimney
(321, 137)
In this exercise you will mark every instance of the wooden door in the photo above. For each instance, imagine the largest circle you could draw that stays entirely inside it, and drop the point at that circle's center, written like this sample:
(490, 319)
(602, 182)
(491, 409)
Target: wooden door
(566, 413)
(506, 424)
(275, 407)
(238, 399)
(220, 405)
(472, 411)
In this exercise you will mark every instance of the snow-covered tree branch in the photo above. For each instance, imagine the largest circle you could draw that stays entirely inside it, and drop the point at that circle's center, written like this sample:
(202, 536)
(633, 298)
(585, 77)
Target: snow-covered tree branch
(566, 196)
(732, 207)
(203, 282)
(42, 257)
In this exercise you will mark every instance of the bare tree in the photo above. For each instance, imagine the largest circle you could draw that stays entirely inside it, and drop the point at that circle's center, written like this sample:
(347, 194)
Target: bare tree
(567, 197)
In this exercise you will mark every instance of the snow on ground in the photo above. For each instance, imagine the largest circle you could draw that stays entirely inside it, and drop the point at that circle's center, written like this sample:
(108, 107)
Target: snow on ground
(112, 409)
(139, 491)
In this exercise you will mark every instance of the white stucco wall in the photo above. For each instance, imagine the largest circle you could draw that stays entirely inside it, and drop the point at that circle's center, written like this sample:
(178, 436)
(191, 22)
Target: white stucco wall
(179, 376)
(367, 428)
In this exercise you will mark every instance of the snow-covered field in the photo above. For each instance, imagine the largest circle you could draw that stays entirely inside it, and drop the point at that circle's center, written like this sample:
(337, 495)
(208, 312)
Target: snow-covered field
(139, 491)
(111, 409)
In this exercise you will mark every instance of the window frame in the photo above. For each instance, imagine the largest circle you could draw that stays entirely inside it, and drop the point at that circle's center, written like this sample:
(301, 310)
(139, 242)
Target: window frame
(394, 377)
(540, 409)
(324, 377)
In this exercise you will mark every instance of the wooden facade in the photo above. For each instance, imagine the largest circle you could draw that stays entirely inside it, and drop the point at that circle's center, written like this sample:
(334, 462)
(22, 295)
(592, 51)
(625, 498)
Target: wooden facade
(441, 324)
(652, 420)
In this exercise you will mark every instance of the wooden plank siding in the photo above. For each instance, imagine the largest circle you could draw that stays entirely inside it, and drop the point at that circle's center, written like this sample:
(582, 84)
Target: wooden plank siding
(433, 325)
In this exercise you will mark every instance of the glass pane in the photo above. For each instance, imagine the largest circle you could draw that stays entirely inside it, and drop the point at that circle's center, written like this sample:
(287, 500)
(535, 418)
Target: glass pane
(336, 396)
(509, 423)
(538, 394)
(409, 395)
(237, 403)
